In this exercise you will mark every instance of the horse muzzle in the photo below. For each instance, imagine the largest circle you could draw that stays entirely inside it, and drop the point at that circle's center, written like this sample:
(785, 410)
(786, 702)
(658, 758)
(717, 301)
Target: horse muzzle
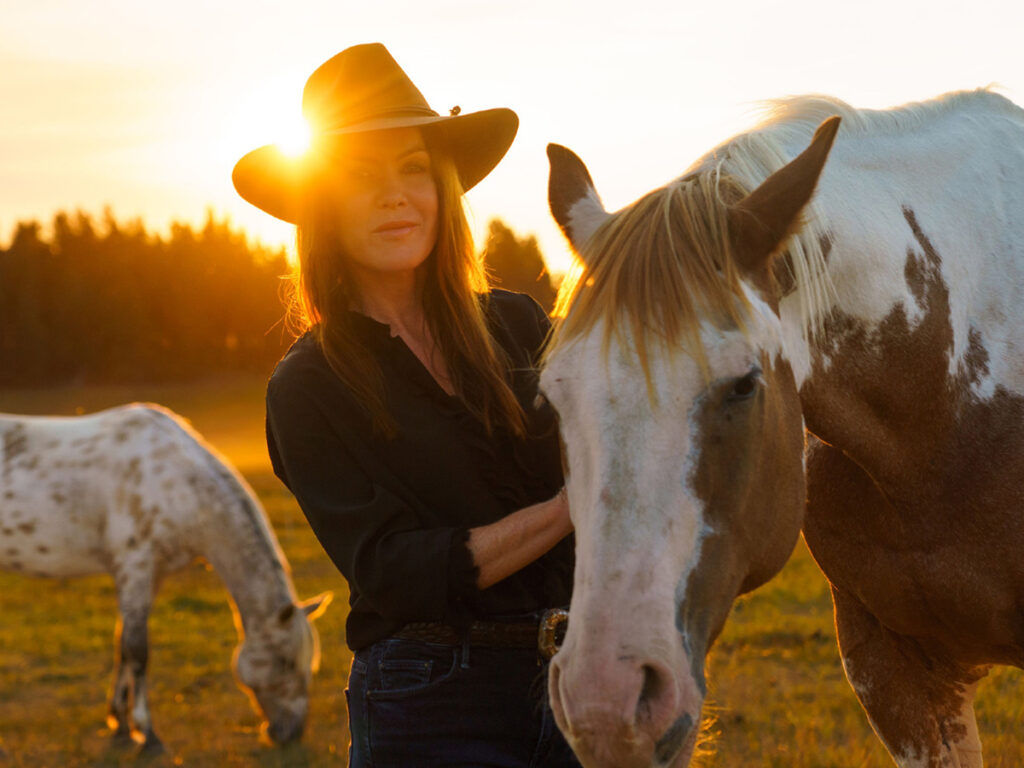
(285, 729)
(621, 711)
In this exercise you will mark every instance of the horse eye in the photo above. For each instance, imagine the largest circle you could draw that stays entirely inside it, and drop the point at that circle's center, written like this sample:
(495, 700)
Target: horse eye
(746, 386)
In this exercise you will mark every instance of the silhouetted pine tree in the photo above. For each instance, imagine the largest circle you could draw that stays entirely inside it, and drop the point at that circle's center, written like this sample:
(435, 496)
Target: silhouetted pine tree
(517, 265)
(116, 303)
(111, 302)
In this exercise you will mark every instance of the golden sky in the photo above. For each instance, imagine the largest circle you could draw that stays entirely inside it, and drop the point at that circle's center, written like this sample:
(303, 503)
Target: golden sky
(146, 106)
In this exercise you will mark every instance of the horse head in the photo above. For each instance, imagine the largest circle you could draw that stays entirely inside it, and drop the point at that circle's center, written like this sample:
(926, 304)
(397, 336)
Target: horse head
(683, 437)
(274, 665)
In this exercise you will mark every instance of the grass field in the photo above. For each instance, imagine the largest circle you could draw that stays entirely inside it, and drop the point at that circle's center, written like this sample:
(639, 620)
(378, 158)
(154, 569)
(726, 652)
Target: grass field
(778, 694)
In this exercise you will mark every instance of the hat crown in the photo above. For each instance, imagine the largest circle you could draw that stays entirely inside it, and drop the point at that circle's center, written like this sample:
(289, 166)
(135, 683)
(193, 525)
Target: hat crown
(359, 90)
(360, 84)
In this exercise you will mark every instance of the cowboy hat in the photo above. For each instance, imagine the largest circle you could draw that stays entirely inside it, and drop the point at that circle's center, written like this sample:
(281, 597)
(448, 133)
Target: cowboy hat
(363, 89)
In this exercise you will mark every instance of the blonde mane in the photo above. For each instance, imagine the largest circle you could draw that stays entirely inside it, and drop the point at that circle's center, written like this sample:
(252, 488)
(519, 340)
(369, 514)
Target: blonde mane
(661, 264)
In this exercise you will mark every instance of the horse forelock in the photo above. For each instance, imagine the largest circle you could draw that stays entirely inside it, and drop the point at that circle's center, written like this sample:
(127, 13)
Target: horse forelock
(659, 272)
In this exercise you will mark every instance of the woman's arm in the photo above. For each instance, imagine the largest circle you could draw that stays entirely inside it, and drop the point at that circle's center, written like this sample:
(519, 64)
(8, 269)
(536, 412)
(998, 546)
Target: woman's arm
(510, 544)
(398, 568)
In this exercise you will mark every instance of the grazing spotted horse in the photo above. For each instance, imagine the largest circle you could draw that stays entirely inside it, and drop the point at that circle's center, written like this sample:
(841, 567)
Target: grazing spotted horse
(700, 340)
(135, 492)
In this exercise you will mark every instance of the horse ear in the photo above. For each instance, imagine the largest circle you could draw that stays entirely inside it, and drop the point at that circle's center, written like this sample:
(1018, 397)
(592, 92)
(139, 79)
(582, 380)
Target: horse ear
(315, 606)
(762, 221)
(573, 198)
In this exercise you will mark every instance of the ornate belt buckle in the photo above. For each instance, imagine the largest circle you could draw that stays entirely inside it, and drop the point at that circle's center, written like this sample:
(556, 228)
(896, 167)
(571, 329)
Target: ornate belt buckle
(551, 635)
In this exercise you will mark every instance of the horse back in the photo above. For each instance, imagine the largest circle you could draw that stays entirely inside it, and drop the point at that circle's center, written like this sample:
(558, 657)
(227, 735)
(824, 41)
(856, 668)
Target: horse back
(85, 494)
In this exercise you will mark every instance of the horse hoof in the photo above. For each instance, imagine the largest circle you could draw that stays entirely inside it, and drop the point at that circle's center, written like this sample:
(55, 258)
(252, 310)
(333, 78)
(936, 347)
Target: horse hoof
(123, 740)
(152, 747)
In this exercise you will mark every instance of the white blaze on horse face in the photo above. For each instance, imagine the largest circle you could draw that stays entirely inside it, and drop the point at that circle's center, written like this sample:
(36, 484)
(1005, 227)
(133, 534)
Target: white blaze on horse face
(639, 522)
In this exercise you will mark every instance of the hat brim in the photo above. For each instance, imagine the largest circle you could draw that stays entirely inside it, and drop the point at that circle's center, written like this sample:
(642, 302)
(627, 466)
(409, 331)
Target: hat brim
(274, 180)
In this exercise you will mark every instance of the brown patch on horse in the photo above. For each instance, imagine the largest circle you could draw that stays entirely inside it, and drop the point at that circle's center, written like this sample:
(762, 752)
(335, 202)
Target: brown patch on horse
(912, 687)
(916, 697)
(142, 515)
(133, 474)
(15, 443)
(942, 461)
(902, 510)
(881, 395)
(750, 479)
(976, 358)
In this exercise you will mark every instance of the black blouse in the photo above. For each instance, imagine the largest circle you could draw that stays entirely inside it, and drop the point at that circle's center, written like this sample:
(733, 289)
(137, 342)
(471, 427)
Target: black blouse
(394, 514)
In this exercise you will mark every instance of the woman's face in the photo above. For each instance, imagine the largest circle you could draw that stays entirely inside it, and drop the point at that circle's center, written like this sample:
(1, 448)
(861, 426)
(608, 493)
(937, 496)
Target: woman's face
(386, 201)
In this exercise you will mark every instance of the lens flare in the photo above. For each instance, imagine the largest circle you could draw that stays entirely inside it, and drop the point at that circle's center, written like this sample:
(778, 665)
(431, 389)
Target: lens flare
(294, 136)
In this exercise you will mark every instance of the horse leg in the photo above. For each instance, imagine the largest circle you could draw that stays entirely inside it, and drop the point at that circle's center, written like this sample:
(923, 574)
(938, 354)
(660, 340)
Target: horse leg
(921, 707)
(128, 702)
(121, 695)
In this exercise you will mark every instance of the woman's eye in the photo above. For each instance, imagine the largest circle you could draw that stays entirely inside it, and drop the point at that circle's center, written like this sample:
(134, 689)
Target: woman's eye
(358, 173)
(745, 386)
(414, 168)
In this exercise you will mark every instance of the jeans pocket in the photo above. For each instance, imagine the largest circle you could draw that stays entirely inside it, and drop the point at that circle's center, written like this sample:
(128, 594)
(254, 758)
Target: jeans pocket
(407, 668)
(404, 674)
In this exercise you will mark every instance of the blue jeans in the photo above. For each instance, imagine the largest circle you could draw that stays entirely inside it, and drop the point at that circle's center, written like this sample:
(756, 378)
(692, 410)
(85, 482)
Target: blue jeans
(413, 704)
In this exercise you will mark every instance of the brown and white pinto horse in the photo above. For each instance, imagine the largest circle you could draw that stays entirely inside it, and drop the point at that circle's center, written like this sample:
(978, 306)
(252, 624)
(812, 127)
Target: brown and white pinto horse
(699, 340)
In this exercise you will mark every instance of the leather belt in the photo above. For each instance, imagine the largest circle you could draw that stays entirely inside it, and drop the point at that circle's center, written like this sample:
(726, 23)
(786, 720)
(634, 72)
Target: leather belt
(545, 634)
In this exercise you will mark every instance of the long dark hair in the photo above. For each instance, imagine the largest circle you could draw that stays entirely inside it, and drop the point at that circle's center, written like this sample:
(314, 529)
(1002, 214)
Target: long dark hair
(454, 296)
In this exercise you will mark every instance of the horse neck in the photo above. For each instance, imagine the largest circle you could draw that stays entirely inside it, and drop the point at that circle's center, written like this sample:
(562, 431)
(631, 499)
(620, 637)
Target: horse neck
(241, 547)
(913, 221)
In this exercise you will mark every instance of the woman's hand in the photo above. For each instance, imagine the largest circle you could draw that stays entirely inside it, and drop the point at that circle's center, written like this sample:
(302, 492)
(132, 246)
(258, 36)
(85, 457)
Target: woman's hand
(510, 544)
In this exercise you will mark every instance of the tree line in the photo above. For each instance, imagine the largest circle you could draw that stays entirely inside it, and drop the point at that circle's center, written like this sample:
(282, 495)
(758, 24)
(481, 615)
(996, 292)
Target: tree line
(107, 301)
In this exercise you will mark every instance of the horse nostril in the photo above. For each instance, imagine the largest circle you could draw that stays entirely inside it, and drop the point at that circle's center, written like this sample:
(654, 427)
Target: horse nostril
(286, 731)
(555, 694)
(655, 695)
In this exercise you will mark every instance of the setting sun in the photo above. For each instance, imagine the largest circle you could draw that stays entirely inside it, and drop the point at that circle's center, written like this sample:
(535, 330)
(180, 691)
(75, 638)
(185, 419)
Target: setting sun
(292, 135)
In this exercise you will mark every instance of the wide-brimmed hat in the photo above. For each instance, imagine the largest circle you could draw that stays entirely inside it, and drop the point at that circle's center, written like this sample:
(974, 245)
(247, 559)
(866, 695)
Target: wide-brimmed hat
(363, 89)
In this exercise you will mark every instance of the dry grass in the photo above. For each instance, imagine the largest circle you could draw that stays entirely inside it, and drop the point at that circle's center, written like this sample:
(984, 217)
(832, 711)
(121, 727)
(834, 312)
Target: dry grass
(778, 694)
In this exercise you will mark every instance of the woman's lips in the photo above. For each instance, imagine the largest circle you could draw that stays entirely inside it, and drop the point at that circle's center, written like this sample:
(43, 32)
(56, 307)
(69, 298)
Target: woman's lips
(395, 228)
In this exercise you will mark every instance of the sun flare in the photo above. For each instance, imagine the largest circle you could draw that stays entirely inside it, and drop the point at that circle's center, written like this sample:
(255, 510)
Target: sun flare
(293, 136)
(269, 115)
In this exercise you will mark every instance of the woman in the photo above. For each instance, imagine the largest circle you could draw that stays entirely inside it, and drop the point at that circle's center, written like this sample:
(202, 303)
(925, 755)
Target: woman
(406, 423)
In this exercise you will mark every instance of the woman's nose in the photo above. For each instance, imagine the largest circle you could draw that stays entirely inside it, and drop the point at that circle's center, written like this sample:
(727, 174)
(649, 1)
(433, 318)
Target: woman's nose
(392, 193)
